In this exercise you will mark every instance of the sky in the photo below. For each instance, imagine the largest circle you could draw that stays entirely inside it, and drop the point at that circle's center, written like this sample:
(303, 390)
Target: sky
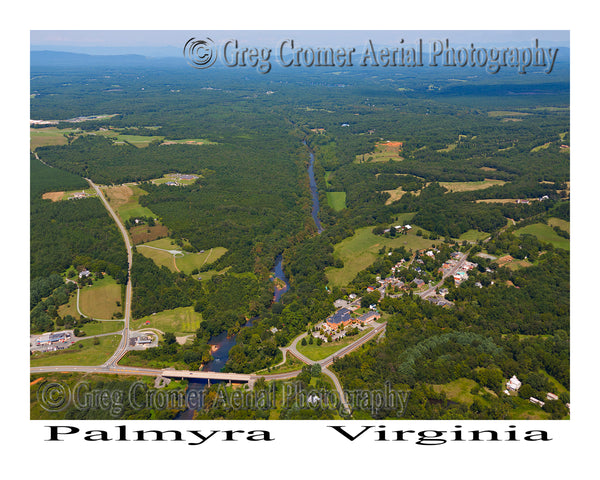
(170, 42)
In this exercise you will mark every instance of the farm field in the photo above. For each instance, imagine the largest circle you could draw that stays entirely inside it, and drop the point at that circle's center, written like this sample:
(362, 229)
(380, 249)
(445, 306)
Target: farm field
(139, 141)
(503, 113)
(545, 234)
(560, 223)
(395, 194)
(182, 261)
(88, 354)
(180, 321)
(384, 152)
(404, 218)
(191, 261)
(336, 200)
(189, 141)
(41, 137)
(361, 250)
(100, 299)
(125, 200)
(160, 257)
(145, 233)
(470, 186)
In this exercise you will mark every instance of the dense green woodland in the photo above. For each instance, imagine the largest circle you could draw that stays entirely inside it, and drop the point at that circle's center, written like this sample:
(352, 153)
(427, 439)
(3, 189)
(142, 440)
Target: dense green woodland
(253, 198)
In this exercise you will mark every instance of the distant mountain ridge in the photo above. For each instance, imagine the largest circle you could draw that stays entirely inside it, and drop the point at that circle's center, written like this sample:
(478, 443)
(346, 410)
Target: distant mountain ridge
(67, 59)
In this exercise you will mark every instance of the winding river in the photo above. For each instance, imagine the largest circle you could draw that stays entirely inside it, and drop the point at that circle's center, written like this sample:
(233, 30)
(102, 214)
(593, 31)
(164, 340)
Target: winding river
(222, 342)
(314, 192)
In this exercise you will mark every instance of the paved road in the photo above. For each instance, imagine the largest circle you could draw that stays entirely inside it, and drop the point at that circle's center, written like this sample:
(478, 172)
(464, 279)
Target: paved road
(293, 350)
(122, 348)
(451, 271)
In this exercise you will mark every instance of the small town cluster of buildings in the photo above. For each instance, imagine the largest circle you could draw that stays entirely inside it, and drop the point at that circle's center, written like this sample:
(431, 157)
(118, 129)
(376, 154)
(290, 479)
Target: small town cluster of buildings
(462, 273)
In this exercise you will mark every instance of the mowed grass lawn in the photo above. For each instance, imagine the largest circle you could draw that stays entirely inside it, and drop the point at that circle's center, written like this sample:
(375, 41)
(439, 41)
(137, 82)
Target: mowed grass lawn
(88, 354)
(545, 233)
(316, 352)
(100, 299)
(336, 200)
(180, 321)
(361, 250)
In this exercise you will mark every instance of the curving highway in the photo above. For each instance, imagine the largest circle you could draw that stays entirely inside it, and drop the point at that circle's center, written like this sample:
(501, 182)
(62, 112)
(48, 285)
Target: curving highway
(122, 348)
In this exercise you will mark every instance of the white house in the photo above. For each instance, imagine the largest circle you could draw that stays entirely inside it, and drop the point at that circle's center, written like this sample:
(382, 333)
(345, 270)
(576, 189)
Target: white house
(513, 384)
(84, 273)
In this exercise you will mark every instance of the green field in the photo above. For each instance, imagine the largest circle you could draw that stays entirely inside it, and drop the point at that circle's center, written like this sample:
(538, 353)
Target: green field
(88, 354)
(132, 208)
(98, 328)
(336, 200)
(458, 390)
(404, 218)
(473, 236)
(361, 250)
(41, 137)
(180, 321)
(160, 257)
(470, 186)
(184, 262)
(136, 140)
(382, 153)
(191, 261)
(189, 141)
(503, 113)
(100, 299)
(562, 224)
(164, 243)
(203, 276)
(545, 233)
(319, 352)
